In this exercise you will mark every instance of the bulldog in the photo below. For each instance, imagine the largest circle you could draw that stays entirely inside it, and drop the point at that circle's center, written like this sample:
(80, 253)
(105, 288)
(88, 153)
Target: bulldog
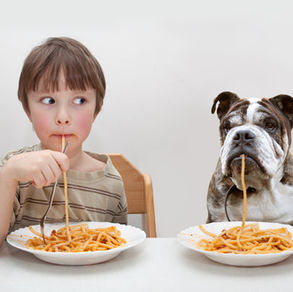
(259, 128)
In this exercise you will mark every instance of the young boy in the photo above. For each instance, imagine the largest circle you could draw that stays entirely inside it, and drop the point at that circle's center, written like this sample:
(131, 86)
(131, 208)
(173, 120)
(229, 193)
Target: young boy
(61, 88)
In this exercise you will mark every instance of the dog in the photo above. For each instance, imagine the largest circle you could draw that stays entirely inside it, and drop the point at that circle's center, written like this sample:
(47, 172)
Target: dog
(259, 128)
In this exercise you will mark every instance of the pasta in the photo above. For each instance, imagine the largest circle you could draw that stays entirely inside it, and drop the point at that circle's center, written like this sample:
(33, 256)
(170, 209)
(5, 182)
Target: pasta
(83, 239)
(76, 238)
(66, 196)
(247, 239)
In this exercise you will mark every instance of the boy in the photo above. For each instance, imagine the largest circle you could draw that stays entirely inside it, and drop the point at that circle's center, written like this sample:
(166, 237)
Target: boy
(61, 88)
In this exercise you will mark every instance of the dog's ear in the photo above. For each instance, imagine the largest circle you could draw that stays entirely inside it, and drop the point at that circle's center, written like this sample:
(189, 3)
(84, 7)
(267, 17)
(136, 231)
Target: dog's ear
(226, 99)
(285, 104)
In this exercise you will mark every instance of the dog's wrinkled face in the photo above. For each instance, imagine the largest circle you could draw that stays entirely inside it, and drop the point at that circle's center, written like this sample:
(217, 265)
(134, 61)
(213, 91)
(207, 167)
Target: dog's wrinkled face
(258, 129)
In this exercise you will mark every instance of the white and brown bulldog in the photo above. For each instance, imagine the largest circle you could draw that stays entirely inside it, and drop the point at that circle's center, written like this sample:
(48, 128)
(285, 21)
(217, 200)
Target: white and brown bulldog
(260, 128)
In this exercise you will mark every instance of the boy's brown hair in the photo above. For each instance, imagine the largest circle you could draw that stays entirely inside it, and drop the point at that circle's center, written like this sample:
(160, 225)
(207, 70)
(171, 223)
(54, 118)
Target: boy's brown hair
(81, 69)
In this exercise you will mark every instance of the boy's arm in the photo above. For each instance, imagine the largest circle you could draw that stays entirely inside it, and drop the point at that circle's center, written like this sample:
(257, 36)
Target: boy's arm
(7, 194)
(40, 167)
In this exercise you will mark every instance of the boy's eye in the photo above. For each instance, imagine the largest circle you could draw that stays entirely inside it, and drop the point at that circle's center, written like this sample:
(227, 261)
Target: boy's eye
(48, 100)
(79, 100)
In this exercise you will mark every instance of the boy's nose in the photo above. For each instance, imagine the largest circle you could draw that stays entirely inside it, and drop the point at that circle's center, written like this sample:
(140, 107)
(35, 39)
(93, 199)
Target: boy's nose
(62, 121)
(63, 118)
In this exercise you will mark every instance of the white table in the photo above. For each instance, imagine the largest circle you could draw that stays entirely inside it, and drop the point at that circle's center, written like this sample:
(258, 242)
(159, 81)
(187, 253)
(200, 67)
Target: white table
(158, 264)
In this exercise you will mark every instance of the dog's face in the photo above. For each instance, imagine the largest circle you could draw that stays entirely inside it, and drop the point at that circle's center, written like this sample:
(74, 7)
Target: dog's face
(258, 128)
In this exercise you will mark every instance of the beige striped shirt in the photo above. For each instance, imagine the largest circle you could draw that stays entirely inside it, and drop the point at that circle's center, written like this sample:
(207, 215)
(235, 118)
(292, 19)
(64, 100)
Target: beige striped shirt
(92, 196)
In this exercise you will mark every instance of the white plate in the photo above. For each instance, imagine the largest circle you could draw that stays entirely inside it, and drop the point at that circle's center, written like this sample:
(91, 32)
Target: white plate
(190, 236)
(131, 234)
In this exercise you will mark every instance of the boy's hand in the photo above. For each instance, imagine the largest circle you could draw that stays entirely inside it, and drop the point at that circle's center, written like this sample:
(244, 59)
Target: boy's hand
(41, 167)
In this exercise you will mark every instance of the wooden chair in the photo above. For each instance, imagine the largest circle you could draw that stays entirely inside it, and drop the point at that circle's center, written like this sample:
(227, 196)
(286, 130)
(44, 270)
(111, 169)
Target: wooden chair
(139, 192)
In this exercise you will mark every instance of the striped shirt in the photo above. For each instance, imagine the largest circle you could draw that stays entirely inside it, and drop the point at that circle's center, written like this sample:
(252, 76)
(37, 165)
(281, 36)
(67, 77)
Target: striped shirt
(92, 196)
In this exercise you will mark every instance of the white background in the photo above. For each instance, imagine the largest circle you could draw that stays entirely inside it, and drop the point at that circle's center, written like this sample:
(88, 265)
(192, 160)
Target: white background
(164, 62)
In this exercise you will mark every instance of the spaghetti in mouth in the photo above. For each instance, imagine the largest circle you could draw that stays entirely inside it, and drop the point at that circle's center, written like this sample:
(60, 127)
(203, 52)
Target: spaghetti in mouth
(60, 136)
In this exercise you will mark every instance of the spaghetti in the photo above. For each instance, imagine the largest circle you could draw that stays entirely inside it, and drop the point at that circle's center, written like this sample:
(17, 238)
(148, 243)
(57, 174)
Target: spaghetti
(76, 238)
(65, 195)
(247, 239)
(83, 239)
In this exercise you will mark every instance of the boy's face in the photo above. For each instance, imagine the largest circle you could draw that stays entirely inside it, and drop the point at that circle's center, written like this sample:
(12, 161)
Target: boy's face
(62, 112)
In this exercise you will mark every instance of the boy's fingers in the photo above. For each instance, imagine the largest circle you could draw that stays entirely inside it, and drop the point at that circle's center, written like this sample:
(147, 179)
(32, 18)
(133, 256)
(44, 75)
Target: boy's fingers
(39, 181)
(51, 168)
(48, 174)
(62, 160)
(55, 170)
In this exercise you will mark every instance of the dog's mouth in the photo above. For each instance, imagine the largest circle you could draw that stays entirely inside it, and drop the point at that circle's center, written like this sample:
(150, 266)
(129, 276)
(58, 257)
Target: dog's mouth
(252, 163)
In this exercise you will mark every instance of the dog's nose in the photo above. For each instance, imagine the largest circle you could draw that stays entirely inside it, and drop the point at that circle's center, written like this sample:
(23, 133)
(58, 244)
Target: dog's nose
(244, 136)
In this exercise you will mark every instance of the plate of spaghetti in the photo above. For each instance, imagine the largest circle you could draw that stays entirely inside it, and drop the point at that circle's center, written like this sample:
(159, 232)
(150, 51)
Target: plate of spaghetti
(89, 242)
(240, 243)
(260, 243)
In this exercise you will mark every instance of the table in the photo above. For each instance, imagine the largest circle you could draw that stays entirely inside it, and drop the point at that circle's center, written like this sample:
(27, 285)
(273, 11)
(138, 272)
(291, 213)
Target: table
(158, 264)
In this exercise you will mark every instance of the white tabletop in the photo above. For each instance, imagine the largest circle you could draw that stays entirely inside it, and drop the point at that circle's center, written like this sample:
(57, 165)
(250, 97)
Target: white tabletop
(158, 264)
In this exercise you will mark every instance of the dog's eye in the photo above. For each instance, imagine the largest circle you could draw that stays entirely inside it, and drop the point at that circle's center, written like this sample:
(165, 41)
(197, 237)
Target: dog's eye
(270, 125)
(226, 126)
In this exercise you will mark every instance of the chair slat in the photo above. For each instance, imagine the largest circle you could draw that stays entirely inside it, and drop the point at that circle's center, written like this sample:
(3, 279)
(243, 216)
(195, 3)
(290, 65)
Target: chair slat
(138, 190)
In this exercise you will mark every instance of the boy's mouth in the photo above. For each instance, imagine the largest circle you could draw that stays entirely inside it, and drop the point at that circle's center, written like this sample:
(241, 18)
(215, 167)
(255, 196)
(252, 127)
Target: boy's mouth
(59, 136)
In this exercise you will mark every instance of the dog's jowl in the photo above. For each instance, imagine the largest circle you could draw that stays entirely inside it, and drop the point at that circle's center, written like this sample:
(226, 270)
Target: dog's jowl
(260, 128)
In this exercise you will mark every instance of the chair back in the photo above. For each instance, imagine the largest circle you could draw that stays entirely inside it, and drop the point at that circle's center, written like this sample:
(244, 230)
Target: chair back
(138, 190)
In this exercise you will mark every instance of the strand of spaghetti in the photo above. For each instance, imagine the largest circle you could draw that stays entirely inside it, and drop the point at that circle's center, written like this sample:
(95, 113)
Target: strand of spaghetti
(35, 232)
(66, 196)
(244, 199)
(206, 232)
(244, 190)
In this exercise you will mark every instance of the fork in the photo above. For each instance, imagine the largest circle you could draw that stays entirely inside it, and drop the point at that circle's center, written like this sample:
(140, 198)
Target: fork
(50, 202)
